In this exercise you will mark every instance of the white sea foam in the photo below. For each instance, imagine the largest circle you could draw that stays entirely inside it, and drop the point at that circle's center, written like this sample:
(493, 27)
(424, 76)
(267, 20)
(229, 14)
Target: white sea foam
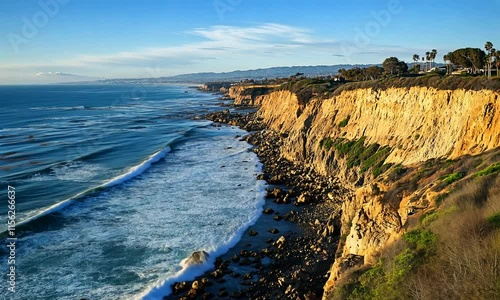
(59, 107)
(189, 272)
(130, 173)
(76, 171)
(129, 241)
(134, 171)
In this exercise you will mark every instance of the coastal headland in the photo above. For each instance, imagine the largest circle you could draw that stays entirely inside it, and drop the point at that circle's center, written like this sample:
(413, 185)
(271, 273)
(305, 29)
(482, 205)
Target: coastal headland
(370, 185)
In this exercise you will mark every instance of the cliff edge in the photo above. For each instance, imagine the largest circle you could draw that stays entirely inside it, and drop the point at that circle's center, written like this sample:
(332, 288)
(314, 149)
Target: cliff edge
(377, 142)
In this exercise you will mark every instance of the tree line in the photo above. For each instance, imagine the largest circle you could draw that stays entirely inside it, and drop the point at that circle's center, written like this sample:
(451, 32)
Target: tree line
(392, 66)
(473, 60)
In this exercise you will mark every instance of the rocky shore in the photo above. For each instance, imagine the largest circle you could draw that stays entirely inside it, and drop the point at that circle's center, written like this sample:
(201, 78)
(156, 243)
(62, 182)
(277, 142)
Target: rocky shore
(287, 254)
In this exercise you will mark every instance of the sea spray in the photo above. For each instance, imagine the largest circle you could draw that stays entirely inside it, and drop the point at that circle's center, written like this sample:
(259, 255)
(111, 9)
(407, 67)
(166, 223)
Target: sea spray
(188, 272)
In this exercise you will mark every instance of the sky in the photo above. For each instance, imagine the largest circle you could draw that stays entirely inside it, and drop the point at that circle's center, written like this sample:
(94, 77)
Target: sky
(43, 41)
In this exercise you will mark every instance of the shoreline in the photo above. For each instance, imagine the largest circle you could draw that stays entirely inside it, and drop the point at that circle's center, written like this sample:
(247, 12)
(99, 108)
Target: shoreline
(282, 255)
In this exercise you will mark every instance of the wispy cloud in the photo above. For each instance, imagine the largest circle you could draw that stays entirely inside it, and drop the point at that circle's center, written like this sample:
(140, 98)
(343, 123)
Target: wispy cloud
(259, 33)
(56, 74)
(215, 48)
(217, 42)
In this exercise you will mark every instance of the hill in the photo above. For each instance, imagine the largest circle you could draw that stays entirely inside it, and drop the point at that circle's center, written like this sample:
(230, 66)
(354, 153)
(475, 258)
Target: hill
(238, 75)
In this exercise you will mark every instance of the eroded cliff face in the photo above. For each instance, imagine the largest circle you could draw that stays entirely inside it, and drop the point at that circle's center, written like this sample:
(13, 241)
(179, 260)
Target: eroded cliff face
(245, 95)
(417, 123)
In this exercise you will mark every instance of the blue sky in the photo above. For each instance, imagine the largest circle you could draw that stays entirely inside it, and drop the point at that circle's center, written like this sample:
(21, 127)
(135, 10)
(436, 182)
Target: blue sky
(64, 40)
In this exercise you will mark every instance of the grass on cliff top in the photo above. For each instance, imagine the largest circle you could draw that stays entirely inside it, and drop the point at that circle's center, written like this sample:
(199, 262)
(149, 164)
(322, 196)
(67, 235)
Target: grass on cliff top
(308, 88)
(439, 82)
(257, 91)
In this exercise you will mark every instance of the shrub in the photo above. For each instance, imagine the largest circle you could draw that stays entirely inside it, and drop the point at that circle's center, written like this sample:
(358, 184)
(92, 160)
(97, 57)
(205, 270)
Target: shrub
(385, 281)
(429, 217)
(397, 172)
(256, 91)
(453, 256)
(493, 168)
(307, 88)
(449, 179)
(376, 171)
(344, 122)
(357, 154)
(420, 240)
(440, 198)
(494, 220)
(326, 143)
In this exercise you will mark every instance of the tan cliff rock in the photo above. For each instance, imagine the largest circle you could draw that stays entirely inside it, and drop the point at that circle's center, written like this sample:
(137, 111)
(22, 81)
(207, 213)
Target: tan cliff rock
(248, 95)
(418, 123)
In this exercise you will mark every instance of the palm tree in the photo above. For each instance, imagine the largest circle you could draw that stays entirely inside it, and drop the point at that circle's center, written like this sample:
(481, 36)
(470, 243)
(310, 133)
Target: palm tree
(433, 56)
(427, 58)
(497, 61)
(416, 58)
(495, 55)
(488, 46)
(449, 65)
(445, 59)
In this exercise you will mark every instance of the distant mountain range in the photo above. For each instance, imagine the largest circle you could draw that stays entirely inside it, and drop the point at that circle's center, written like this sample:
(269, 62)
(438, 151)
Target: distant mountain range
(238, 75)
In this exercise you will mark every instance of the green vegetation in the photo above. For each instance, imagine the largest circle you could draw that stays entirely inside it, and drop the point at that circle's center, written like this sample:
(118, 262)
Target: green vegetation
(356, 153)
(326, 143)
(449, 179)
(396, 74)
(436, 81)
(470, 58)
(421, 241)
(429, 217)
(256, 91)
(344, 122)
(360, 74)
(440, 198)
(307, 88)
(494, 220)
(394, 66)
(451, 254)
(385, 279)
(397, 172)
(493, 168)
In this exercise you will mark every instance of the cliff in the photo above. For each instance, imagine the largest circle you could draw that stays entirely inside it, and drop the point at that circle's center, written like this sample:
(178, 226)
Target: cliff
(418, 123)
(249, 95)
(348, 134)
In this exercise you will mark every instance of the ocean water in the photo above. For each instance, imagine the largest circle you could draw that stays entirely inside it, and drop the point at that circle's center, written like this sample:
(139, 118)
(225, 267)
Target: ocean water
(116, 185)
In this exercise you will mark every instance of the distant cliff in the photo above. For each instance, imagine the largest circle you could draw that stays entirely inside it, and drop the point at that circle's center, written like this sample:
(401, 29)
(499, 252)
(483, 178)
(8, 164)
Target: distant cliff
(363, 135)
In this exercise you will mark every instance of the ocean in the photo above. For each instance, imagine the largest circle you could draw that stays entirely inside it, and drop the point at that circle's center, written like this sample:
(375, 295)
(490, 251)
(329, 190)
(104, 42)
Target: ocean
(116, 185)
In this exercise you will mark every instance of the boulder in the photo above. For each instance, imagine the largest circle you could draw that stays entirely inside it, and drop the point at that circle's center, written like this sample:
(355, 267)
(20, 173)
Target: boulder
(197, 285)
(198, 257)
(268, 211)
(273, 230)
(280, 242)
(304, 198)
(179, 287)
